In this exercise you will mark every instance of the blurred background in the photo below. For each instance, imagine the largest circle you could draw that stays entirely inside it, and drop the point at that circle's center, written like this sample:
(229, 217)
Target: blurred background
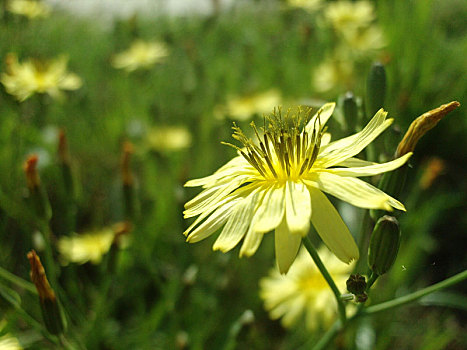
(142, 93)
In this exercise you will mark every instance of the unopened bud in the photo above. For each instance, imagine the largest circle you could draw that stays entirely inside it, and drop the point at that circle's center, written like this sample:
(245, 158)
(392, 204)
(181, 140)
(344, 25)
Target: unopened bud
(384, 245)
(30, 170)
(38, 197)
(421, 125)
(53, 318)
(350, 111)
(375, 88)
(63, 154)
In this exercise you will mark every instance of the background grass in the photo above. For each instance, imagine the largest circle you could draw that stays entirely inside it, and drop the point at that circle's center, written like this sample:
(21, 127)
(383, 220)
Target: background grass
(152, 303)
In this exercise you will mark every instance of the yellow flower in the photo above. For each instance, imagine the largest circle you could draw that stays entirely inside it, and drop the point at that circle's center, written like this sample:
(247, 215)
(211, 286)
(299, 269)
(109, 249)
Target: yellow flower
(28, 8)
(347, 16)
(141, 54)
(86, 247)
(169, 138)
(244, 107)
(365, 40)
(332, 73)
(304, 290)
(278, 184)
(8, 342)
(23, 80)
(308, 5)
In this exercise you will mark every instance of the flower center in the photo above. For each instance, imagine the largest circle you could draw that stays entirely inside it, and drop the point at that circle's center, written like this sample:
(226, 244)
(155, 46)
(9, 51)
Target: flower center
(287, 148)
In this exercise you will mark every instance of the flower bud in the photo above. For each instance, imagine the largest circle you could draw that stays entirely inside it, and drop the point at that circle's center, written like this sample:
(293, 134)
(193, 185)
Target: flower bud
(350, 111)
(421, 125)
(384, 245)
(375, 88)
(37, 195)
(53, 318)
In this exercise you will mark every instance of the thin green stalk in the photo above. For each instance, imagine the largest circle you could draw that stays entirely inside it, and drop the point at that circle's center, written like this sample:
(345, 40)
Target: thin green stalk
(363, 240)
(415, 295)
(17, 281)
(314, 255)
(328, 336)
(338, 325)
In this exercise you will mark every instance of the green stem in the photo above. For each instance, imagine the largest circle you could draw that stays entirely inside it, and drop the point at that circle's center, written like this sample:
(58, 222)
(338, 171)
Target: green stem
(328, 336)
(338, 325)
(17, 281)
(415, 295)
(363, 240)
(314, 255)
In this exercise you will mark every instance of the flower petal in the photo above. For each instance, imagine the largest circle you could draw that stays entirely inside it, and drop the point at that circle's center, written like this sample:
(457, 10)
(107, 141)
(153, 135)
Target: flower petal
(356, 192)
(237, 224)
(370, 170)
(287, 245)
(297, 207)
(271, 209)
(324, 114)
(251, 242)
(208, 197)
(355, 162)
(340, 150)
(331, 228)
(235, 165)
(212, 223)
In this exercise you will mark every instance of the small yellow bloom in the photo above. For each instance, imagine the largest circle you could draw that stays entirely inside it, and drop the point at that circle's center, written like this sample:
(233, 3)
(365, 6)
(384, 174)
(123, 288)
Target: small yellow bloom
(169, 138)
(141, 54)
(349, 15)
(30, 77)
(86, 247)
(278, 182)
(365, 40)
(332, 73)
(8, 342)
(304, 290)
(308, 5)
(29, 8)
(244, 107)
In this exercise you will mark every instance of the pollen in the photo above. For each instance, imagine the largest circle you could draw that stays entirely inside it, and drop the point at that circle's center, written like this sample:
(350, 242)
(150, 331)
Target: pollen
(284, 149)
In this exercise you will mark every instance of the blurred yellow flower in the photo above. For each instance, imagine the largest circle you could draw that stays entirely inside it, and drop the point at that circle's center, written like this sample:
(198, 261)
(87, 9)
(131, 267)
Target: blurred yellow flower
(365, 40)
(141, 54)
(86, 247)
(168, 138)
(347, 16)
(304, 291)
(308, 5)
(29, 8)
(244, 107)
(23, 80)
(278, 182)
(8, 342)
(331, 74)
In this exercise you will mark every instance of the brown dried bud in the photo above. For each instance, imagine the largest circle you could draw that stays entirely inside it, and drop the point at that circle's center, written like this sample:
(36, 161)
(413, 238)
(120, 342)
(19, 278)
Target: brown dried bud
(121, 229)
(421, 125)
(39, 278)
(30, 170)
(63, 154)
(356, 284)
